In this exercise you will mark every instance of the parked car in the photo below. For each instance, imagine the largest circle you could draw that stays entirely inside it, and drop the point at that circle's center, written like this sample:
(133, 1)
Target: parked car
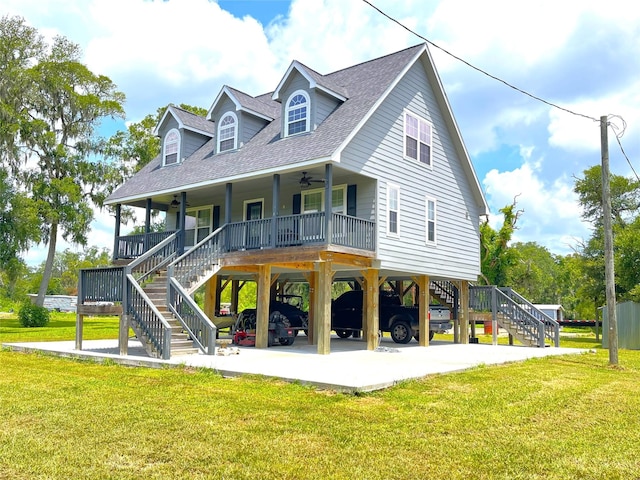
(290, 306)
(394, 317)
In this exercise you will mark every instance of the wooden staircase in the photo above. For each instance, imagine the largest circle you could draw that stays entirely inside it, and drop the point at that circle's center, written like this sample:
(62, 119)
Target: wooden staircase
(181, 344)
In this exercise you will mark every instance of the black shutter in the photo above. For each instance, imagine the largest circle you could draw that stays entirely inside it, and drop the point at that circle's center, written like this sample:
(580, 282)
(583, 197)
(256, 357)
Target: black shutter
(216, 217)
(297, 200)
(351, 200)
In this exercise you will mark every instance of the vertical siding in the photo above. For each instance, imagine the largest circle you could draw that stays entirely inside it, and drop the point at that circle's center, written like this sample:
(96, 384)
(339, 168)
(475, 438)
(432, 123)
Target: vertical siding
(377, 151)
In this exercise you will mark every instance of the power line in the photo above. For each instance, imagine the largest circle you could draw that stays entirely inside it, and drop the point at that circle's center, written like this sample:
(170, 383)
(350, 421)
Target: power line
(535, 97)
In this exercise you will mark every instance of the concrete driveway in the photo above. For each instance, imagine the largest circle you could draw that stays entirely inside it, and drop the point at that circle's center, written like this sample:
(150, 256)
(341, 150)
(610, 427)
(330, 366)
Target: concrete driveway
(349, 368)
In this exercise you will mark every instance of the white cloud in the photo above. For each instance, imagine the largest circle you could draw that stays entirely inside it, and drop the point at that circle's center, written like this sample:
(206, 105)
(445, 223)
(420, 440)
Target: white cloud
(551, 213)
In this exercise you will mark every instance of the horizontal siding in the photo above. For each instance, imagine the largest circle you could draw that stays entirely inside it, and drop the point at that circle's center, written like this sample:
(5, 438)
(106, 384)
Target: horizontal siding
(249, 126)
(377, 151)
(191, 142)
(324, 105)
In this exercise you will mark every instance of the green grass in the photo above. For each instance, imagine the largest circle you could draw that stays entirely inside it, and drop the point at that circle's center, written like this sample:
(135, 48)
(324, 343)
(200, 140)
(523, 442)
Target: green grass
(557, 417)
(62, 326)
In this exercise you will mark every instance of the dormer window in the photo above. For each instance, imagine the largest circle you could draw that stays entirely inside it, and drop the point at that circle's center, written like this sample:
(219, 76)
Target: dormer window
(171, 147)
(228, 132)
(297, 113)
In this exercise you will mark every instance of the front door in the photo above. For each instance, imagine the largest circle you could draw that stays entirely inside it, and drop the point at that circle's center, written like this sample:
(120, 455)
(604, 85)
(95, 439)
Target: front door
(253, 215)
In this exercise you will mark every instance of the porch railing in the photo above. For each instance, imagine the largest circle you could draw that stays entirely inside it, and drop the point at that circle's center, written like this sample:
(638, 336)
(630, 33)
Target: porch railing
(193, 320)
(132, 246)
(101, 285)
(551, 327)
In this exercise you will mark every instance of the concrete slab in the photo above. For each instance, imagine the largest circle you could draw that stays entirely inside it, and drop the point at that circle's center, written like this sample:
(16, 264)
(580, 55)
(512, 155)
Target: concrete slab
(349, 368)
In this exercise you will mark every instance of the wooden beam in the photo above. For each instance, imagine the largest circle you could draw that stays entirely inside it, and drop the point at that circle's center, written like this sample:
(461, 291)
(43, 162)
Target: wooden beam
(381, 281)
(294, 265)
(262, 304)
(243, 268)
(373, 320)
(79, 322)
(423, 310)
(323, 308)
(347, 259)
(274, 278)
(235, 290)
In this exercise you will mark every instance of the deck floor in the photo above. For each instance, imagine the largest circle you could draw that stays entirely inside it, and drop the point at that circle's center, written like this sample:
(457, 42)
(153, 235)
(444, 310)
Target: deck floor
(350, 367)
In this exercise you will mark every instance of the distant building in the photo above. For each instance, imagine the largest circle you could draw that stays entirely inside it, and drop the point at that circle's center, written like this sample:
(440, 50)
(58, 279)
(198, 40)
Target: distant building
(554, 311)
(59, 303)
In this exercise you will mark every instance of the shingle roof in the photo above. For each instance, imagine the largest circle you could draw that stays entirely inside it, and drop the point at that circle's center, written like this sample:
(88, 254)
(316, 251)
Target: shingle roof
(192, 121)
(261, 105)
(365, 83)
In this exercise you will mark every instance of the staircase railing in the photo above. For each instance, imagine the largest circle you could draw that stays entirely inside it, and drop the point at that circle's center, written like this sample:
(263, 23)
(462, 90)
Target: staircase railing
(187, 273)
(492, 299)
(202, 257)
(148, 319)
(144, 315)
(551, 326)
(199, 327)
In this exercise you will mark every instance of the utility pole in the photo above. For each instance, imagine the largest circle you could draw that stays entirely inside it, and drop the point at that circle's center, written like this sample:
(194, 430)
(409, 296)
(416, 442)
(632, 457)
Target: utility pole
(609, 274)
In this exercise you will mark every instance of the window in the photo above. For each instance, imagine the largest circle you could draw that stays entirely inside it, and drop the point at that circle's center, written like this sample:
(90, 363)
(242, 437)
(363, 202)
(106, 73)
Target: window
(171, 147)
(297, 113)
(197, 224)
(417, 138)
(313, 200)
(228, 132)
(431, 220)
(393, 210)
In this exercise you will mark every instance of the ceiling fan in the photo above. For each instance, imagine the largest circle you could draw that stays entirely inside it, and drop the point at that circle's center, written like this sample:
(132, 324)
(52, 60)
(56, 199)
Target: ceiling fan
(175, 203)
(306, 181)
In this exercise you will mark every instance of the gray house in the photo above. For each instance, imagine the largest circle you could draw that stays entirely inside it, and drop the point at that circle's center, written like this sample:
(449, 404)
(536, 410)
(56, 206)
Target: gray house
(359, 174)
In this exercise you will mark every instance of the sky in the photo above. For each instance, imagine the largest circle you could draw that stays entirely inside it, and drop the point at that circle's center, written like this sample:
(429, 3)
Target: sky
(582, 55)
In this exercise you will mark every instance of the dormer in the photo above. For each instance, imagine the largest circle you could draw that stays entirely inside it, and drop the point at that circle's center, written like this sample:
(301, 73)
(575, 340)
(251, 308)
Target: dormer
(181, 133)
(306, 99)
(238, 117)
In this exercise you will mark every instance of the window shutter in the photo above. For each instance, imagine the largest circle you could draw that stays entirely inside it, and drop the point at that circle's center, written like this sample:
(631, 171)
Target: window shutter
(351, 200)
(297, 200)
(216, 217)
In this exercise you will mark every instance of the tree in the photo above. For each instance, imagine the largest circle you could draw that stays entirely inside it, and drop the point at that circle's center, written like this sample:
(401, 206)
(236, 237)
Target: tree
(534, 273)
(495, 254)
(57, 166)
(18, 222)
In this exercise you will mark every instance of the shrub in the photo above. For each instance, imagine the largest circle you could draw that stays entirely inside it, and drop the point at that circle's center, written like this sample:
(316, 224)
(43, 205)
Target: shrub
(31, 315)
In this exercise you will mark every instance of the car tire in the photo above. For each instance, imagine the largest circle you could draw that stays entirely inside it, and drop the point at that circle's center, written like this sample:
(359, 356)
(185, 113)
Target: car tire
(401, 332)
(344, 333)
(431, 334)
(287, 341)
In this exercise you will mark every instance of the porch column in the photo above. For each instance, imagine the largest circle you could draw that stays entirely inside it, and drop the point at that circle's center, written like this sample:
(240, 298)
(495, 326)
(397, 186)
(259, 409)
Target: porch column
(183, 216)
(423, 309)
(372, 293)
(262, 313)
(116, 233)
(147, 224)
(464, 313)
(328, 203)
(323, 310)
(227, 203)
(275, 208)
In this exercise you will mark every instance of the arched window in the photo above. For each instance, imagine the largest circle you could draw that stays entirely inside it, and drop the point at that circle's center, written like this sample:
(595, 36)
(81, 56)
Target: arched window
(297, 113)
(228, 132)
(171, 147)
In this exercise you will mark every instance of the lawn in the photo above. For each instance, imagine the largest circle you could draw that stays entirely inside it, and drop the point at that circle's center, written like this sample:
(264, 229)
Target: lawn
(557, 417)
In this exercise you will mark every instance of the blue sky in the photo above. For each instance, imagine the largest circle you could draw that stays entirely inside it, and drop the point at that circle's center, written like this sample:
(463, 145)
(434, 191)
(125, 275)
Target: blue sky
(580, 54)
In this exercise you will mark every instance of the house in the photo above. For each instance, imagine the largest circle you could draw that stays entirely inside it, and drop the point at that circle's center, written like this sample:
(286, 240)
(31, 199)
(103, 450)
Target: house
(359, 174)
(555, 311)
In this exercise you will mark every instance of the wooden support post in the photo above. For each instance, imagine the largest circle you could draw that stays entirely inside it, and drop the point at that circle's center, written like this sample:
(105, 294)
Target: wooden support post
(373, 320)
(423, 310)
(464, 312)
(235, 290)
(323, 307)
(79, 324)
(262, 304)
(211, 298)
(313, 298)
(123, 337)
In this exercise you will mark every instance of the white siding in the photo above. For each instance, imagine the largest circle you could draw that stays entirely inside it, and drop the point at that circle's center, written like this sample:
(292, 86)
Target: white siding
(377, 151)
